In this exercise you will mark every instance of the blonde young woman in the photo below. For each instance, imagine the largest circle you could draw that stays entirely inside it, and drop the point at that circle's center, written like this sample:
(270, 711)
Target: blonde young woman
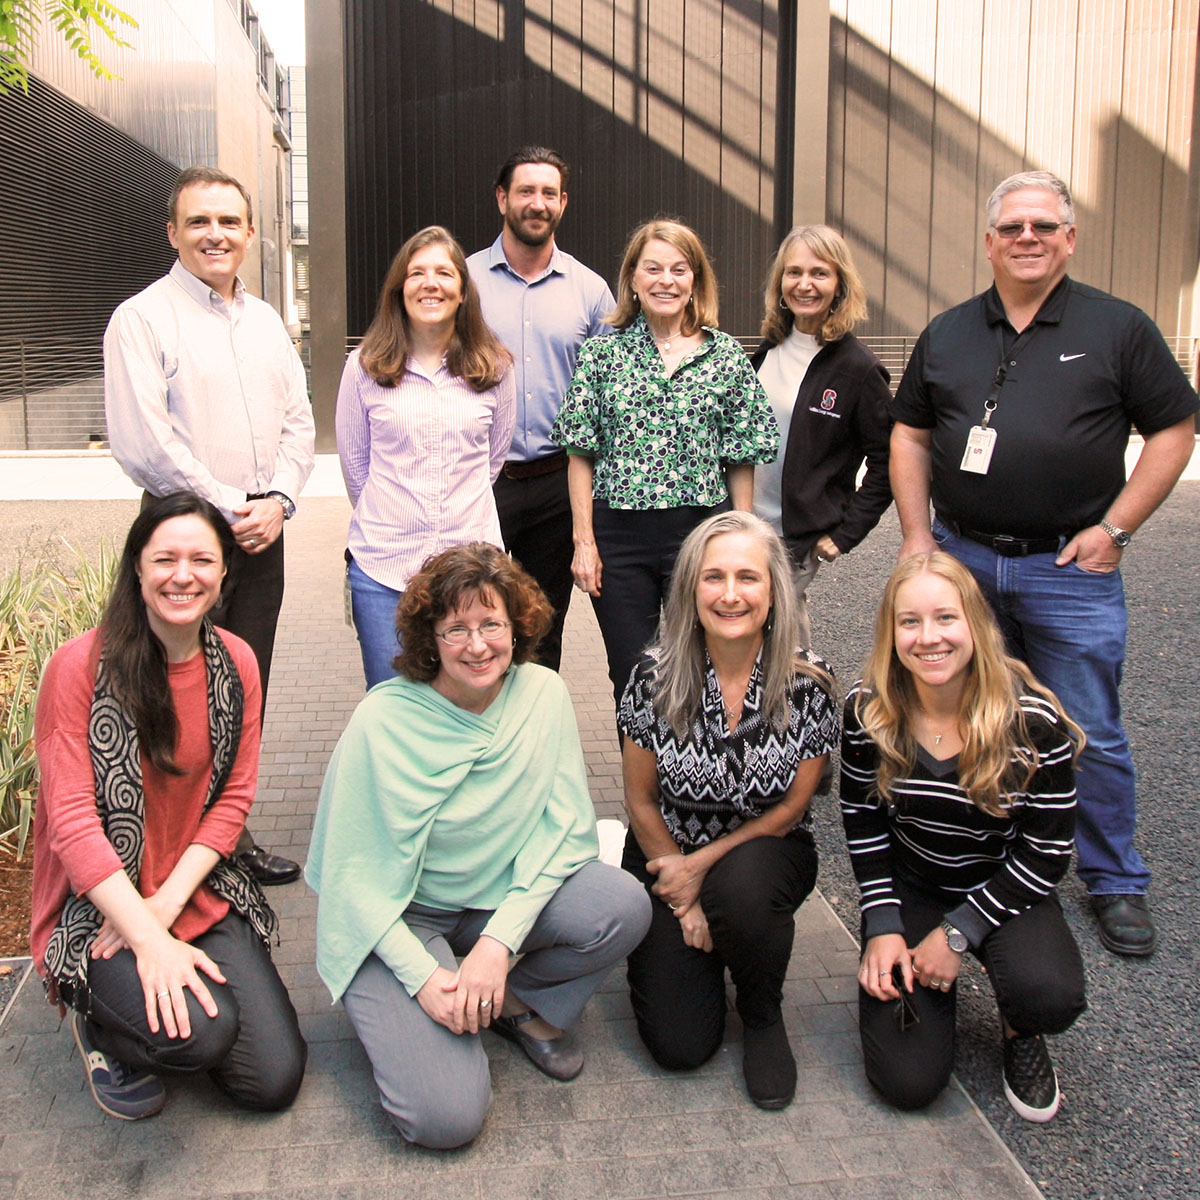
(958, 799)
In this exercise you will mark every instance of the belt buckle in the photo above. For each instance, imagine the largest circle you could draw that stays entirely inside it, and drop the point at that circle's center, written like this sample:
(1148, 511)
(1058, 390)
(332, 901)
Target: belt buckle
(1009, 547)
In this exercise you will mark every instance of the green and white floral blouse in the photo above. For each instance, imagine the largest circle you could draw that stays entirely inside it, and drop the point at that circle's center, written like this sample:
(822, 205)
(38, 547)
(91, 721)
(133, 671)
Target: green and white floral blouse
(659, 441)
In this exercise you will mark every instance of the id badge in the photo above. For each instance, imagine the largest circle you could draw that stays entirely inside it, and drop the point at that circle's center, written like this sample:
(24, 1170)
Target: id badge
(347, 603)
(977, 457)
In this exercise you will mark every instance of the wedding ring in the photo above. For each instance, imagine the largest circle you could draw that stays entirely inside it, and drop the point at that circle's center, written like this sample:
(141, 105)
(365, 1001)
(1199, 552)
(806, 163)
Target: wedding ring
(251, 542)
(160, 995)
(673, 907)
(485, 1004)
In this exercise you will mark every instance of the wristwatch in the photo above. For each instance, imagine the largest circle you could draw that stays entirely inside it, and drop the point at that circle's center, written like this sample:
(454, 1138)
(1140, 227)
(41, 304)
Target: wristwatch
(957, 941)
(1121, 537)
(289, 509)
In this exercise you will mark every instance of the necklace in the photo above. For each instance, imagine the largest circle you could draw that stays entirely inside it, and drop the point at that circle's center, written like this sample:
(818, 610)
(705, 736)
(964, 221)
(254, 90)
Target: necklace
(665, 343)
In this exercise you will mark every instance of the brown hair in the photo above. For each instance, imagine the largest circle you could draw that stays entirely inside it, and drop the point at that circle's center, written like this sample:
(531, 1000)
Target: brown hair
(701, 309)
(448, 580)
(203, 176)
(849, 303)
(474, 354)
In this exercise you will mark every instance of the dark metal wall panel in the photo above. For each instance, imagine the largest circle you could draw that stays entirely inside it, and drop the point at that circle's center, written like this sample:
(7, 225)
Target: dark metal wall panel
(82, 230)
(661, 106)
(933, 102)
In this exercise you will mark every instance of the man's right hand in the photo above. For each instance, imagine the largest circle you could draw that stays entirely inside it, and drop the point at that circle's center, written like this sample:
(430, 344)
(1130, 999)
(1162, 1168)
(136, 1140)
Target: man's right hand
(918, 542)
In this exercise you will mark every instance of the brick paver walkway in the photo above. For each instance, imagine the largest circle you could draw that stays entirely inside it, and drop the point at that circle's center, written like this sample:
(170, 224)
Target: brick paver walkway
(625, 1128)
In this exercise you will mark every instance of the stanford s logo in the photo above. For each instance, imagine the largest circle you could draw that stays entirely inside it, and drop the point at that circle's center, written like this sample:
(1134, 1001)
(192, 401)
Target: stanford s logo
(828, 399)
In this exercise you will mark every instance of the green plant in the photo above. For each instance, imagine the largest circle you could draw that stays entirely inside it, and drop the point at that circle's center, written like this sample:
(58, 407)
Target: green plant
(40, 609)
(20, 21)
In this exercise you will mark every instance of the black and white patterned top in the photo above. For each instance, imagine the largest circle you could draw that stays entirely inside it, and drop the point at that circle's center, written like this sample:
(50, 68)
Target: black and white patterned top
(658, 441)
(713, 780)
(933, 832)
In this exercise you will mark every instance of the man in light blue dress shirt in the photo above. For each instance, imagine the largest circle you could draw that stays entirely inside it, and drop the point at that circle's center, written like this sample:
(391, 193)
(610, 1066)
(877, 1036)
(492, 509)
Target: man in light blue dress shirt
(542, 304)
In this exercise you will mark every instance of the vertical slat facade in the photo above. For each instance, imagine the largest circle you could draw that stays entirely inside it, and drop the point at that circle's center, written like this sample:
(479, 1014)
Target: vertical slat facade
(659, 105)
(932, 102)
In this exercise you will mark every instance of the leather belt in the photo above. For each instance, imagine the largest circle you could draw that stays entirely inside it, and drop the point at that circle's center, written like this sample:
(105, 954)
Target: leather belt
(535, 467)
(1004, 544)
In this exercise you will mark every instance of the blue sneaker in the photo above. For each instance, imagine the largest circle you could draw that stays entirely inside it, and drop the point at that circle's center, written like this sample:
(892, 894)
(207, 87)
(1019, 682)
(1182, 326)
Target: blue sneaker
(120, 1090)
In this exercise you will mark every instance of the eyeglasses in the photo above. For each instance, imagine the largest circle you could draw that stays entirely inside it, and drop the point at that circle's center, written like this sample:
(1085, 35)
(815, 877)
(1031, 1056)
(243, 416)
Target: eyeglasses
(907, 1016)
(460, 635)
(1041, 229)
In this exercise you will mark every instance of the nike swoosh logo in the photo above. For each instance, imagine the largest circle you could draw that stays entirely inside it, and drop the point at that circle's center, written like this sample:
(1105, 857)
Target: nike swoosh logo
(1069, 357)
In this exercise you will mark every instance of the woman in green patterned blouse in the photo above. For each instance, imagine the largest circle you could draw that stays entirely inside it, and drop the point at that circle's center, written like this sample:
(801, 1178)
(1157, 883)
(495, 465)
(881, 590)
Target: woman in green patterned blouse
(664, 422)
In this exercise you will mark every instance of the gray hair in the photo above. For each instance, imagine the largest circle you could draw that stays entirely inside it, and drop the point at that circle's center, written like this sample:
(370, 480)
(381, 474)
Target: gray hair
(1043, 181)
(679, 681)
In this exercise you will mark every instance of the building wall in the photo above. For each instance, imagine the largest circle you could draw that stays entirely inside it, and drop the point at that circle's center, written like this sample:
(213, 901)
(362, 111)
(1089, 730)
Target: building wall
(933, 102)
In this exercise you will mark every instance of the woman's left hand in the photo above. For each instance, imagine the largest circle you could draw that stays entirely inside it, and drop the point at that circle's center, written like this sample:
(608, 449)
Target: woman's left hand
(827, 549)
(679, 877)
(695, 929)
(935, 965)
(108, 941)
(481, 981)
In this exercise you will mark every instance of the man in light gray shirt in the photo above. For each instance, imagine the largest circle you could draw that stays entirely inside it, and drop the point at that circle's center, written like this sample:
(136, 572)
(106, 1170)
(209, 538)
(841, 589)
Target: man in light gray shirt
(542, 304)
(204, 392)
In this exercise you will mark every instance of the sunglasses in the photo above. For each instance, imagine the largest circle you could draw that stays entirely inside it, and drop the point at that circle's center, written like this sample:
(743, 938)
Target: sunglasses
(1041, 229)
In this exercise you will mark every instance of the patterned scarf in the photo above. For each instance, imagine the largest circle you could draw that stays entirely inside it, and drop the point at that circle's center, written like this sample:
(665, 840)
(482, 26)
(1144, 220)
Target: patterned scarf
(120, 802)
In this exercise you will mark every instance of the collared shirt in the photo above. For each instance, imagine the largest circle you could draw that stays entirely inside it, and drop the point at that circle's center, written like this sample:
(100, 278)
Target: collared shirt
(543, 323)
(1091, 366)
(419, 460)
(658, 441)
(714, 779)
(205, 396)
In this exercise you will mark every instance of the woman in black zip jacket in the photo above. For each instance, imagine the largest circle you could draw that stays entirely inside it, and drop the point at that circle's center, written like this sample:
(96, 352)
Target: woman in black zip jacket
(830, 397)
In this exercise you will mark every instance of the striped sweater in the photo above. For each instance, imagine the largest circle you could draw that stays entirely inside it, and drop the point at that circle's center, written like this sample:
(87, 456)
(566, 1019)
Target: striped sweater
(996, 867)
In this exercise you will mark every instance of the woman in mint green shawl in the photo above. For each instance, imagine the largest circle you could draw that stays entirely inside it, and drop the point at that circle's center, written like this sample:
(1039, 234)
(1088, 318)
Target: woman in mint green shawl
(455, 820)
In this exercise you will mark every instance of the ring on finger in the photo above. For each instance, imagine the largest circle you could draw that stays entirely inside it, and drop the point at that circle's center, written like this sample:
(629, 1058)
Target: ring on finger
(945, 985)
(485, 1004)
(160, 995)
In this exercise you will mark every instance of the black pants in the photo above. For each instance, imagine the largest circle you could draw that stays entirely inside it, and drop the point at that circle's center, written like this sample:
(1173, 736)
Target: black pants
(252, 1049)
(1036, 972)
(750, 898)
(535, 521)
(637, 552)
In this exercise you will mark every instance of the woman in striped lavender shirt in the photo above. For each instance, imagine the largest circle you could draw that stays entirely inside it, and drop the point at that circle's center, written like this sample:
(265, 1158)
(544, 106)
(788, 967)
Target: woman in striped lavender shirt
(958, 798)
(425, 414)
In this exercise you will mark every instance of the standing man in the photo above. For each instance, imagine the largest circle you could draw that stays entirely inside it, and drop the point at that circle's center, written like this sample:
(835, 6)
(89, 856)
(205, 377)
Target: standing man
(1014, 415)
(542, 304)
(204, 391)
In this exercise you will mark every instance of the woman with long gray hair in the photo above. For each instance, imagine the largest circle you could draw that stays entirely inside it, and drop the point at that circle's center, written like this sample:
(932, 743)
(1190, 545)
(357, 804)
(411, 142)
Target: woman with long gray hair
(728, 728)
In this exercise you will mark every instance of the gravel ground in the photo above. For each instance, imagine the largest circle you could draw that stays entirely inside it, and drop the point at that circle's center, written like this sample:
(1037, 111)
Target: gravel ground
(1128, 1069)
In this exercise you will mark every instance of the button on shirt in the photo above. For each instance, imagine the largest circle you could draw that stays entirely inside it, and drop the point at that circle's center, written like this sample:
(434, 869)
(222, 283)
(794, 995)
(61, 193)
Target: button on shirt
(543, 323)
(419, 460)
(658, 441)
(204, 396)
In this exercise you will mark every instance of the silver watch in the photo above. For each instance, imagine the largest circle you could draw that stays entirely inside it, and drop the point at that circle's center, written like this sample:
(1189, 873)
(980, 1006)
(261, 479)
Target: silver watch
(1120, 537)
(956, 940)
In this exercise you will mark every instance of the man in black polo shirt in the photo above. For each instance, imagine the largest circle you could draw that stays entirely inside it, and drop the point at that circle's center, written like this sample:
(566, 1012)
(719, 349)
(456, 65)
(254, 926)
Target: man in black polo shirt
(1013, 417)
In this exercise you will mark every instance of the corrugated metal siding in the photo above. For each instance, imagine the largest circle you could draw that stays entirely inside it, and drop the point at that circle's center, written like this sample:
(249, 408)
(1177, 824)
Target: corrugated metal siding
(659, 106)
(82, 230)
(934, 101)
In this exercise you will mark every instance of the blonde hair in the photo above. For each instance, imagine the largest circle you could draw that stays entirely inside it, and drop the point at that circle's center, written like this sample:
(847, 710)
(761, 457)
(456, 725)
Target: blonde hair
(702, 308)
(849, 303)
(998, 755)
(679, 679)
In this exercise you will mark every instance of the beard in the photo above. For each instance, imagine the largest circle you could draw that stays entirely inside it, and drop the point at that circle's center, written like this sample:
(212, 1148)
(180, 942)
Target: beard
(528, 236)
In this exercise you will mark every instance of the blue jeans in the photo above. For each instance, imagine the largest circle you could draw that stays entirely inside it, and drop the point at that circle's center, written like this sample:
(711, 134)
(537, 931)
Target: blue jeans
(1069, 626)
(373, 607)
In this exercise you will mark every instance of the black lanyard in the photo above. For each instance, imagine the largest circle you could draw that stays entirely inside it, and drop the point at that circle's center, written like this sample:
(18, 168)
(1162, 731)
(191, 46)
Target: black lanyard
(1008, 358)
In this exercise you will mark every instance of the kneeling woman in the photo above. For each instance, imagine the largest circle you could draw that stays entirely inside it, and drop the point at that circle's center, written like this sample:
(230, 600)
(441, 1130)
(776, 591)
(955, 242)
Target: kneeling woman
(147, 744)
(455, 820)
(958, 798)
(727, 730)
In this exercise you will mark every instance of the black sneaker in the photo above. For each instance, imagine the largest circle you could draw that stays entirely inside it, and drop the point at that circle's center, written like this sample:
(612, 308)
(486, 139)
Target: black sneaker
(1029, 1080)
(120, 1090)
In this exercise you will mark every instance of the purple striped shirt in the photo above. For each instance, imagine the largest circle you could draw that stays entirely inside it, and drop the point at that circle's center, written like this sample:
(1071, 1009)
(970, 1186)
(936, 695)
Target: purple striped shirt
(419, 460)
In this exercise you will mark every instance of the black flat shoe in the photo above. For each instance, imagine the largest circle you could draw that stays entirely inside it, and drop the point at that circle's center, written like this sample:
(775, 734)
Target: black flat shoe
(560, 1059)
(1126, 926)
(269, 869)
(769, 1066)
